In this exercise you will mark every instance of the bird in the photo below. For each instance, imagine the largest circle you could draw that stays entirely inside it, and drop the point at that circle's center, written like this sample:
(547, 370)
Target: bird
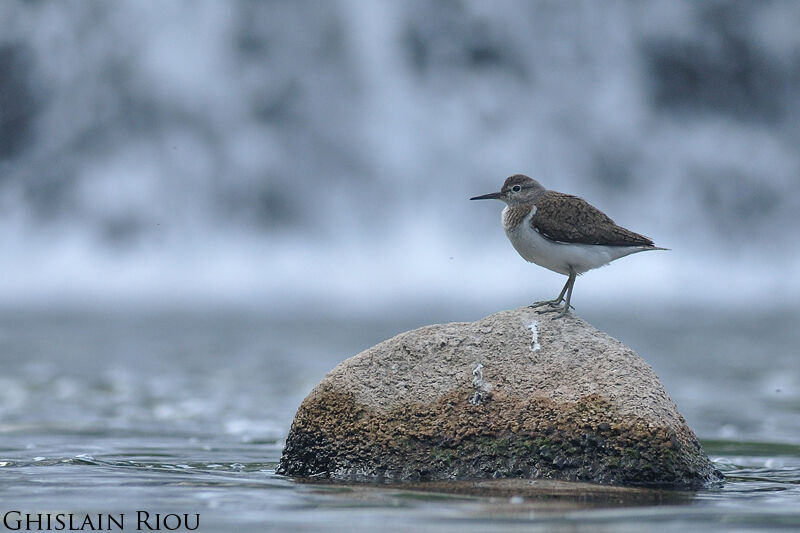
(562, 233)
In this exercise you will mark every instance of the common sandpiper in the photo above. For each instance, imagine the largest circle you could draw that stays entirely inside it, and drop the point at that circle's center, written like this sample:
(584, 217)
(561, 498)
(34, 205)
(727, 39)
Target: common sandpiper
(562, 233)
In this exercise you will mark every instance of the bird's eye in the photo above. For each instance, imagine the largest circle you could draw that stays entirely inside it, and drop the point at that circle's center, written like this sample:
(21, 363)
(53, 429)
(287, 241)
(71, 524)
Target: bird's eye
(516, 188)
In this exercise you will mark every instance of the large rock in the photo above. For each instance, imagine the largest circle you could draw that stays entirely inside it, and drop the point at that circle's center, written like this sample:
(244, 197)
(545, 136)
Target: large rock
(513, 395)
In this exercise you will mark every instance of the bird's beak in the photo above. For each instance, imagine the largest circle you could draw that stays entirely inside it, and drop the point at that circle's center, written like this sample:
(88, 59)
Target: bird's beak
(490, 196)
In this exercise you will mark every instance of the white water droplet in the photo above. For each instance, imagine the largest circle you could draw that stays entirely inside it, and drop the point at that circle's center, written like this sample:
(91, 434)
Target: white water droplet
(535, 346)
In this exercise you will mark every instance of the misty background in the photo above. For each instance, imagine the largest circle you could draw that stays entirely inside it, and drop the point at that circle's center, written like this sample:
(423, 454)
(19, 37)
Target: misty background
(206, 205)
(322, 153)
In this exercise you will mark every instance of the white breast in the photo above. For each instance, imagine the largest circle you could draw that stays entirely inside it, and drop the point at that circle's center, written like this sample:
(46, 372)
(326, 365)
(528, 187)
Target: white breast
(561, 257)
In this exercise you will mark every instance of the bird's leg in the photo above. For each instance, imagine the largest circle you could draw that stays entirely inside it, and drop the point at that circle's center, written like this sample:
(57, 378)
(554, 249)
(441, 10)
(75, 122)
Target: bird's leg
(564, 309)
(553, 303)
(569, 297)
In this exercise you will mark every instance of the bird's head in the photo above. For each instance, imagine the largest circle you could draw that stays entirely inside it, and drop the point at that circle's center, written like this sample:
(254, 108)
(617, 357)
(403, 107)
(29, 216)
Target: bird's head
(517, 189)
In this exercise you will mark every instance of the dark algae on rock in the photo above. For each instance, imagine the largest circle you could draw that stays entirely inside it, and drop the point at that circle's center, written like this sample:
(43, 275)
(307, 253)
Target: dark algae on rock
(509, 396)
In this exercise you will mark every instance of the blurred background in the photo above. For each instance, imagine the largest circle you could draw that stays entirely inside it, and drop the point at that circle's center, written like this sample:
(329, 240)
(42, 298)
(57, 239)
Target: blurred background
(295, 154)
(207, 205)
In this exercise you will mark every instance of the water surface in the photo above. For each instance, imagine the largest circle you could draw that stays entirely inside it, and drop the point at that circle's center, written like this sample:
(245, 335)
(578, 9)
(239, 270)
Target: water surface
(185, 411)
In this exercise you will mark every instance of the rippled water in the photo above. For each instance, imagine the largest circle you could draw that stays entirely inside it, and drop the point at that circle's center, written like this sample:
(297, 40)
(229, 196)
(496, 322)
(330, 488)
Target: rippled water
(185, 412)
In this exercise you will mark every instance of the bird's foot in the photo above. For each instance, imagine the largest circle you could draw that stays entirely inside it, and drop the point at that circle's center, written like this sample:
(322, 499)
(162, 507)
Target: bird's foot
(551, 303)
(562, 311)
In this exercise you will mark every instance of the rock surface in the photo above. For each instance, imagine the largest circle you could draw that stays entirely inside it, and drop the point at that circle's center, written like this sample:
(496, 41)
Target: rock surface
(512, 395)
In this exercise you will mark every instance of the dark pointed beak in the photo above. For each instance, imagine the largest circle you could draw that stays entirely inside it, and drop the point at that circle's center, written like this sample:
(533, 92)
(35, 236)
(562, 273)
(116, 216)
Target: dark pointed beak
(490, 196)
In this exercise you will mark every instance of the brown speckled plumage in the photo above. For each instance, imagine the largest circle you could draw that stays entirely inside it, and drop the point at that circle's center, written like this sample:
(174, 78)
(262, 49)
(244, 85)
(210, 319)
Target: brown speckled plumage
(566, 218)
(514, 216)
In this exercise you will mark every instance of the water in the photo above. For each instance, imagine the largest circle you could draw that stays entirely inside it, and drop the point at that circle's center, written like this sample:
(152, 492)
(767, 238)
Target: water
(184, 411)
(139, 161)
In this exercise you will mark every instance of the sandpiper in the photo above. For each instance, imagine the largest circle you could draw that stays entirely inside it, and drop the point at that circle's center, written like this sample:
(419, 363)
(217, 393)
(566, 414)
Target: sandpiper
(562, 233)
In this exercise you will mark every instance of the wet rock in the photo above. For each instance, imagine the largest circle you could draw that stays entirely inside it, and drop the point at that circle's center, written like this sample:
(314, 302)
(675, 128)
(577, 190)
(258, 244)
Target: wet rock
(515, 395)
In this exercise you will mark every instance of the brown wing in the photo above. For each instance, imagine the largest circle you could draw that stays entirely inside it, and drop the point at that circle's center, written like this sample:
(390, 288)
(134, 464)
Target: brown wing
(566, 218)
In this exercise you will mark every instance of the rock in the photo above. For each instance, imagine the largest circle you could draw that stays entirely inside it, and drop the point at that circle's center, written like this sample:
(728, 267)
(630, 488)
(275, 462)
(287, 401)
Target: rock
(513, 395)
